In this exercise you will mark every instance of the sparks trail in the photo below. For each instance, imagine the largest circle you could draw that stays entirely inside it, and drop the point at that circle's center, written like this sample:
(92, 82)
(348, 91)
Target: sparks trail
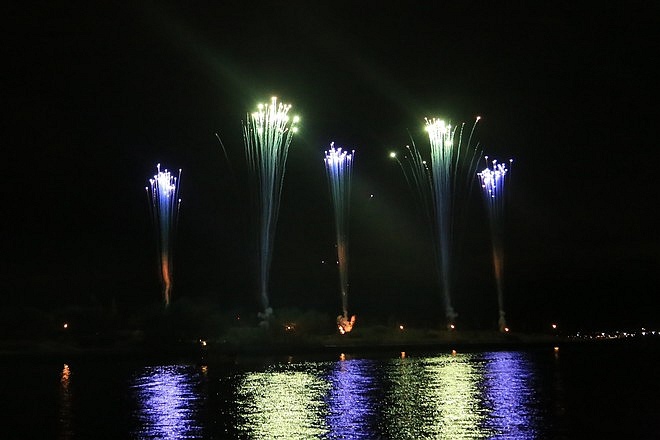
(224, 151)
(492, 184)
(163, 194)
(339, 168)
(441, 185)
(267, 135)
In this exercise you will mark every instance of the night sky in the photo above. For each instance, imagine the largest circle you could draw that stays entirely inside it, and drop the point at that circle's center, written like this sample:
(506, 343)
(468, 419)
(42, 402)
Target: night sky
(96, 95)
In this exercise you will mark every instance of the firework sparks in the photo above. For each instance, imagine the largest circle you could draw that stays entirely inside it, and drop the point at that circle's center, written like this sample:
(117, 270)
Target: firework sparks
(492, 184)
(339, 168)
(344, 324)
(163, 193)
(267, 135)
(440, 184)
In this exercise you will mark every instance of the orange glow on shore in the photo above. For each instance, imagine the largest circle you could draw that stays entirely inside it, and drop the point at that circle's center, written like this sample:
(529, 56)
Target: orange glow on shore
(344, 324)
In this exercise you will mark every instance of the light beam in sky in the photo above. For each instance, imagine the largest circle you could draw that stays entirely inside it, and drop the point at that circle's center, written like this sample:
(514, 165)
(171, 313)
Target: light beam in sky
(267, 135)
(163, 193)
(492, 181)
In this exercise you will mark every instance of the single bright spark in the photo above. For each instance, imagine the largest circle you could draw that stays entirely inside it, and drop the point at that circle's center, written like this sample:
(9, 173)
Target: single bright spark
(442, 184)
(163, 193)
(339, 168)
(267, 135)
(492, 180)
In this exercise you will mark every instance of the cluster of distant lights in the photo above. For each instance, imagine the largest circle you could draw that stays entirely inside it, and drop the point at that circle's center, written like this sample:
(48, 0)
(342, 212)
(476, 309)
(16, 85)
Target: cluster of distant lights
(617, 334)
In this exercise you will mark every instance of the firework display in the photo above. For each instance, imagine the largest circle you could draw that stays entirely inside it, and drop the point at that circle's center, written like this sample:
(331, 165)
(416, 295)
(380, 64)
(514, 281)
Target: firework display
(440, 185)
(267, 136)
(163, 193)
(441, 178)
(339, 167)
(492, 181)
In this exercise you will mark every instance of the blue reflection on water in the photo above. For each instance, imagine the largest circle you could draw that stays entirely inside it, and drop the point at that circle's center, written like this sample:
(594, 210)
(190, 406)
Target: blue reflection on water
(510, 394)
(169, 402)
(350, 401)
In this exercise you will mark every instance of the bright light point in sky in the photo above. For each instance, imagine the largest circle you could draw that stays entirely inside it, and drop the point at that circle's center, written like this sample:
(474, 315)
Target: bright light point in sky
(392, 154)
(296, 119)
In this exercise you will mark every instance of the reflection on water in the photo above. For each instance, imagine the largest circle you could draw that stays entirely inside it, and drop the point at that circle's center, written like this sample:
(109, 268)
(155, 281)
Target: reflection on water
(435, 397)
(170, 399)
(284, 402)
(510, 394)
(352, 398)
(449, 396)
(457, 396)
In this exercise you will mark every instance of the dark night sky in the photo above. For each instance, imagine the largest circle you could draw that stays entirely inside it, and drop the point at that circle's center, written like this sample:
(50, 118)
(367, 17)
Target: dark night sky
(96, 96)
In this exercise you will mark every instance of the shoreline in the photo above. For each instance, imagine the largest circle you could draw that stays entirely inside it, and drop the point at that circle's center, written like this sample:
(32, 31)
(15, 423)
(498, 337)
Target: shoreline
(225, 350)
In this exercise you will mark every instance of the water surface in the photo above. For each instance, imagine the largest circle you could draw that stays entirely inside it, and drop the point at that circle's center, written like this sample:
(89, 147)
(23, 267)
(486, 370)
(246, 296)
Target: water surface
(575, 392)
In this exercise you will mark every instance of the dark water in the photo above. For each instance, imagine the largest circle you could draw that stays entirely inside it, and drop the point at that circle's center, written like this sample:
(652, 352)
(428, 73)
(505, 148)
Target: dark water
(577, 392)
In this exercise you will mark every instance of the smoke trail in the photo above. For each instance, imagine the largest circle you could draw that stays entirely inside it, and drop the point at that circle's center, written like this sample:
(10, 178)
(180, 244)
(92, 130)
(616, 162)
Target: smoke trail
(267, 135)
(163, 193)
(441, 186)
(339, 168)
(492, 183)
